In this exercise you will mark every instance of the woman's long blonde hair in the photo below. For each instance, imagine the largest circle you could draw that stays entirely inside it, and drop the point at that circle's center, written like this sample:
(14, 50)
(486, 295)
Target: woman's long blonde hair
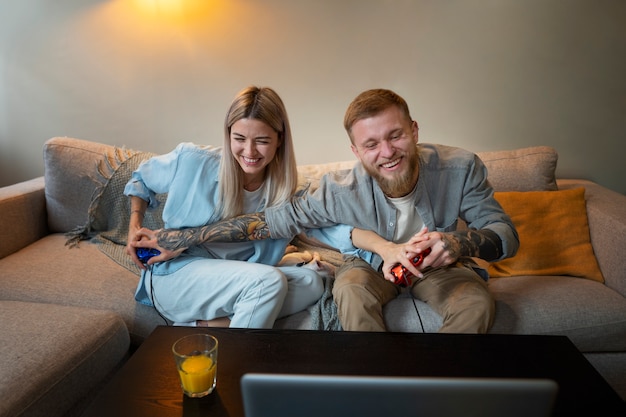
(281, 175)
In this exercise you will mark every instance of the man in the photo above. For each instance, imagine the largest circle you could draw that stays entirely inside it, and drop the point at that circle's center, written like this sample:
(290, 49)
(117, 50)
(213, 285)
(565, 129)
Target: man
(409, 197)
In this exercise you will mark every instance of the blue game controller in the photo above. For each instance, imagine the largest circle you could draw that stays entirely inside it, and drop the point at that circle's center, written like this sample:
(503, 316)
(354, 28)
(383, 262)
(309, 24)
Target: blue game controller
(146, 253)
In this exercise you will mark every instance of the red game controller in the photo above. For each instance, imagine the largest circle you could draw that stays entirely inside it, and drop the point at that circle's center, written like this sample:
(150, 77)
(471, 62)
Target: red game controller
(401, 275)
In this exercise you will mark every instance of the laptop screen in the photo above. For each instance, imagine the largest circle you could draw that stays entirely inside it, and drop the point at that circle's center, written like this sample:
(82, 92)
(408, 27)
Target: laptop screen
(290, 395)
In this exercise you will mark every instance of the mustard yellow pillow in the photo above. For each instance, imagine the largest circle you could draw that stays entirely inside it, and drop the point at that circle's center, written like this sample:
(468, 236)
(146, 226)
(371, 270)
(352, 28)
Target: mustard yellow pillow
(553, 232)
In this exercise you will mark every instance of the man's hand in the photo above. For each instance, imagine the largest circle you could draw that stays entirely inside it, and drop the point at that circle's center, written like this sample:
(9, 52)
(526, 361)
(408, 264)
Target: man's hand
(146, 238)
(447, 248)
(392, 253)
(444, 250)
(402, 253)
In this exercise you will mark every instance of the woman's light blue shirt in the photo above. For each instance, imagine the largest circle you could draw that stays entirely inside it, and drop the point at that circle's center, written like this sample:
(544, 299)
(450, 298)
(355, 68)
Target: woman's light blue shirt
(189, 176)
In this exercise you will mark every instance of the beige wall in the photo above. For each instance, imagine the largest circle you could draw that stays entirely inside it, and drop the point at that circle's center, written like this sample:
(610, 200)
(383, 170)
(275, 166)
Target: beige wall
(481, 74)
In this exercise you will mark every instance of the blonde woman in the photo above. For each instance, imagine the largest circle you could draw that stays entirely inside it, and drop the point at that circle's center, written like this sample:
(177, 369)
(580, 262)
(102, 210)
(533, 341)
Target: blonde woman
(254, 170)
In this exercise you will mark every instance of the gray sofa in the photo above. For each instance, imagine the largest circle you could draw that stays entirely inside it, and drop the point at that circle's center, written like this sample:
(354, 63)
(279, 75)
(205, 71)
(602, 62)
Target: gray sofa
(70, 318)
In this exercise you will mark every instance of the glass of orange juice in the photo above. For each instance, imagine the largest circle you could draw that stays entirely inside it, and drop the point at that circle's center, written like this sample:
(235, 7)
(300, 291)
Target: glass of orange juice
(196, 361)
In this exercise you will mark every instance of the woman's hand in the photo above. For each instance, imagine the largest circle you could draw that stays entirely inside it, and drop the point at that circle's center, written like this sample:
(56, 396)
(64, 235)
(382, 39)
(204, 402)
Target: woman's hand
(133, 237)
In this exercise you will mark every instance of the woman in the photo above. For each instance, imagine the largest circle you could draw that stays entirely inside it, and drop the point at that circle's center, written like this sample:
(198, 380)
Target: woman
(255, 169)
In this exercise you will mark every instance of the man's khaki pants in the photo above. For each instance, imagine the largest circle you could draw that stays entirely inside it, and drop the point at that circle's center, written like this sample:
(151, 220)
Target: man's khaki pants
(457, 293)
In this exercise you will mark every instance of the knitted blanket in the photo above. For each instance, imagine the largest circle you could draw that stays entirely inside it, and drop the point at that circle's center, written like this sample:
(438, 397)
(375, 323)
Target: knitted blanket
(109, 210)
(109, 216)
(324, 311)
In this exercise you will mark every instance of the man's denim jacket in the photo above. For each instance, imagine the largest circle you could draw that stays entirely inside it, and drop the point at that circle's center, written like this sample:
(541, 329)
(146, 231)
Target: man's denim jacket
(452, 185)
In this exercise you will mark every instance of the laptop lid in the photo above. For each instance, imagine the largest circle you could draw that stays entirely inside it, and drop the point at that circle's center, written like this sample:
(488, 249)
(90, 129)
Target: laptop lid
(290, 395)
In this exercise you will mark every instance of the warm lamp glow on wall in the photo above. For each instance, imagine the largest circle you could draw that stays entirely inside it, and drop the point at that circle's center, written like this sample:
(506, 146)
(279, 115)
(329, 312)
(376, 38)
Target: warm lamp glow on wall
(132, 30)
(176, 10)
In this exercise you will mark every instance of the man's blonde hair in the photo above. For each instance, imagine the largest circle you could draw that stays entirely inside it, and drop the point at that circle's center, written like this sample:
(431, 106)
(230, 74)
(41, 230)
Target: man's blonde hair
(371, 102)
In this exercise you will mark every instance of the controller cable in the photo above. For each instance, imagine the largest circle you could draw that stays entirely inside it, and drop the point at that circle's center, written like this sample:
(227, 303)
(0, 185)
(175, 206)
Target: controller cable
(419, 316)
(154, 304)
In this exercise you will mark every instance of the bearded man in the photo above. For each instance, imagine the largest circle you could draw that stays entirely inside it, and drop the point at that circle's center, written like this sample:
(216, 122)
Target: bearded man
(404, 199)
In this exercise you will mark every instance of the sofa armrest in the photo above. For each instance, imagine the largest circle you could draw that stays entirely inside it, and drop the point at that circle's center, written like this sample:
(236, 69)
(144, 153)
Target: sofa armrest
(23, 217)
(606, 213)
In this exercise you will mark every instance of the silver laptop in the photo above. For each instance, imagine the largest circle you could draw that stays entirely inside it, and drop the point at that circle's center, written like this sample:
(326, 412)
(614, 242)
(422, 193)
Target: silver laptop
(287, 395)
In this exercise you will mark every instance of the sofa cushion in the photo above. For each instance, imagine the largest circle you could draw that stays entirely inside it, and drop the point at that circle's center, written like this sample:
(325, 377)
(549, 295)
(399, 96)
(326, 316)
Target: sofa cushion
(526, 169)
(553, 232)
(53, 356)
(592, 315)
(47, 271)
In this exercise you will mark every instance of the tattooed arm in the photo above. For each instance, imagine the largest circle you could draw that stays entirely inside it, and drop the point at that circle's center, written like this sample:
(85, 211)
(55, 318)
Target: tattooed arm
(172, 242)
(484, 244)
(238, 229)
(446, 248)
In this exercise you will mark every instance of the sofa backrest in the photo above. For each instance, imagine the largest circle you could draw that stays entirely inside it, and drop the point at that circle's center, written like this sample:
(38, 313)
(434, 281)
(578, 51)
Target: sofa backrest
(72, 170)
(526, 169)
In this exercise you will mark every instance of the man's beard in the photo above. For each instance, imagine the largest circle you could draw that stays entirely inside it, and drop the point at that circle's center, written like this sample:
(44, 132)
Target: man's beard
(402, 184)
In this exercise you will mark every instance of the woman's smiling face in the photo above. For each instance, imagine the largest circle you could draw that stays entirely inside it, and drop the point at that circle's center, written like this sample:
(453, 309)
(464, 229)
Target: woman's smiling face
(253, 143)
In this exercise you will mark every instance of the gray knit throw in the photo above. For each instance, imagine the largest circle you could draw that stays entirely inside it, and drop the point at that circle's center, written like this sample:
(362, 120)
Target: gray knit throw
(109, 211)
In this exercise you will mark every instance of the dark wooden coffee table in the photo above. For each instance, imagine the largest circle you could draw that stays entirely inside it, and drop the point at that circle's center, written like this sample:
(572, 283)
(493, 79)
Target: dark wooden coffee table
(148, 384)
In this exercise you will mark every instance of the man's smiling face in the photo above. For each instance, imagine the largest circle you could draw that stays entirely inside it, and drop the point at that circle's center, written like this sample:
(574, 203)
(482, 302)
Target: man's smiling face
(386, 145)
